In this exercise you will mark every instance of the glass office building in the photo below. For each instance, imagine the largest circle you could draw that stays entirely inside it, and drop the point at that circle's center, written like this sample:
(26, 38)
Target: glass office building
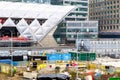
(80, 14)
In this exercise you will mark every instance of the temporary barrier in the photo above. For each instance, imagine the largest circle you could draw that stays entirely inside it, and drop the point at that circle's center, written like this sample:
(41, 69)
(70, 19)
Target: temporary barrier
(6, 61)
(84, 56)
(59, 56)
(20, 63)
(15, 63)
(65, 57)
(54, 56)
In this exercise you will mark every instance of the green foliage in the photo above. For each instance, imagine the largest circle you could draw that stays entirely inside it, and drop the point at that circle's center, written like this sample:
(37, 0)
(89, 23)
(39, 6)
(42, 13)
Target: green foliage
(57, 69)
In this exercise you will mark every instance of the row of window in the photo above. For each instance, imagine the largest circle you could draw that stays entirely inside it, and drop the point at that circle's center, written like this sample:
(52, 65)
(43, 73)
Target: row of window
(105, 2)
(104, 42)
(76, 19)
(78, 14)
(75, 3)
(105, 17)
(114, 27)
(111, 2)
(112, 7)
(84, 24)
(82, 9)
(83, 30)
(116, 21)
(104, 50)
(82, 36)
(105, 12)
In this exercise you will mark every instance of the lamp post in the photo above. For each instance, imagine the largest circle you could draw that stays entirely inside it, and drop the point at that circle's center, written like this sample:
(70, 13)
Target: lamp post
(77, 53)
(11, 51)
(77, 46)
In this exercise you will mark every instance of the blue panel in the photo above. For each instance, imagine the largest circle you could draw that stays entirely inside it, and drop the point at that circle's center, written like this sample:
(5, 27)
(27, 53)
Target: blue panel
(59, 56)
(6, 61)
(15, 63)
(66, 57)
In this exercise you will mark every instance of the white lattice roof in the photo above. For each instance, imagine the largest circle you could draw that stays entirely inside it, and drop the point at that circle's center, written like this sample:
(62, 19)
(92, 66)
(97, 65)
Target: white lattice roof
(52, 15)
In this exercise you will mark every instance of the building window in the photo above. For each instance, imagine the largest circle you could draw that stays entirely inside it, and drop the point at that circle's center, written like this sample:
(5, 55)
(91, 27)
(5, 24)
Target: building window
(110, 27)
(104, 28)
(117, 26)
(117, 21)
(114, 6)
(117, 6)
(114, 27)
(118, 1)
(114, 2)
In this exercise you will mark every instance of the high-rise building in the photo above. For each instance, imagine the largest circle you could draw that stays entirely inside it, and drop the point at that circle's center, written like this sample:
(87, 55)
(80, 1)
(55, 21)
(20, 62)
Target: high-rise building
(107, 14)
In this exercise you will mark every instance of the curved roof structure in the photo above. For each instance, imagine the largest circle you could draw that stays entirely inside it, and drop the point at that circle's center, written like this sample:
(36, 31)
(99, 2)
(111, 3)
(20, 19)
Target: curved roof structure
(34, 20)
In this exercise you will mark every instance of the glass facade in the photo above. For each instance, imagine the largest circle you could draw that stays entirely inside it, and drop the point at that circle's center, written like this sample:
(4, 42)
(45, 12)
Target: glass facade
(79, 14)
(103, 46)
(84, 29)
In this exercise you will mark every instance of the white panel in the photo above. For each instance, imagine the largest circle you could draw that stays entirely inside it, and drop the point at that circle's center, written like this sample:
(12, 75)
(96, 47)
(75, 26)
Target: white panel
(5, 13)
(9, 22)
(21, 29)
(22, 26)
(39, 31)
(44, 15)
(19, 13)
(39, 36)
(27, 32)
(34, 26)
(31, 14)
(26, 36)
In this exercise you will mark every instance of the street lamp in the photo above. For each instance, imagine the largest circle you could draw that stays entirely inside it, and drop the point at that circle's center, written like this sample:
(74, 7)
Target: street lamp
(11, 51)
(77, 46)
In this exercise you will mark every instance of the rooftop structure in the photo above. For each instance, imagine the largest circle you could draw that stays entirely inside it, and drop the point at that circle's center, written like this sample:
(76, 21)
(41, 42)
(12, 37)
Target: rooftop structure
(33, 21)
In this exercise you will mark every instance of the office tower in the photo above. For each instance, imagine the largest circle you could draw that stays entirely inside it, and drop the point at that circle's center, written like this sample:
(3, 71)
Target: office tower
(107, 14)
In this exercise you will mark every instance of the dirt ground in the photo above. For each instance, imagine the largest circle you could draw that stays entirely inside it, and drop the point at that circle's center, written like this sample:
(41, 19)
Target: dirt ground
(15, 77)
(6, 77)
